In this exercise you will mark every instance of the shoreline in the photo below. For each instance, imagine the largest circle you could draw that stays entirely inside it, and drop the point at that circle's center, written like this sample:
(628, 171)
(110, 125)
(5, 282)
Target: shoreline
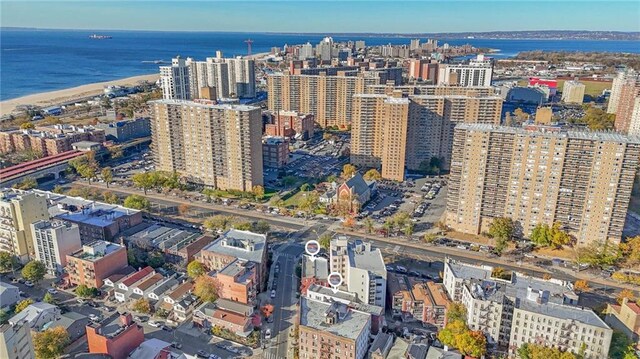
(49, 98)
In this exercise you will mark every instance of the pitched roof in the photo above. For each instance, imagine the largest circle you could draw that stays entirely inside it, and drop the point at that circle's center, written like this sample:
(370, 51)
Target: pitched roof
(150, 281)
(358, 184)
(137, 276)
(181, 290)
(230, 317)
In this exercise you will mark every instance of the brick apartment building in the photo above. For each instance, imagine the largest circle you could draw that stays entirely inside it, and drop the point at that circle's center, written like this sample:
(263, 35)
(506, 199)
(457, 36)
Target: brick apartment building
(95, 262)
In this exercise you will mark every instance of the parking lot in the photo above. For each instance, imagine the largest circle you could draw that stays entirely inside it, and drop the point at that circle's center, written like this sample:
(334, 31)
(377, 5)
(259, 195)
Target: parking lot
(424, 199)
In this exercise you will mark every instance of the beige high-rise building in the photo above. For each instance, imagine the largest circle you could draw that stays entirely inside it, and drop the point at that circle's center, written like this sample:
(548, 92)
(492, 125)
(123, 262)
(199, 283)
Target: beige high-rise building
(541, 175)
(629, 93)
(328, 98)
(573, 92)
(214, 145)
(18, 209)
(616, 88)
(395, 131)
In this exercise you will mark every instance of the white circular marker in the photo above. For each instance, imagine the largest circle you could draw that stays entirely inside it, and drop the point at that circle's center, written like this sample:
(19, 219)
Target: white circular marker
(335, 279)
(312, 247)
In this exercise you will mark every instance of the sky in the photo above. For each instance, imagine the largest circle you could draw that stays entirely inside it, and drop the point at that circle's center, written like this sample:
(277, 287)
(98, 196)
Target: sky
(324, 16)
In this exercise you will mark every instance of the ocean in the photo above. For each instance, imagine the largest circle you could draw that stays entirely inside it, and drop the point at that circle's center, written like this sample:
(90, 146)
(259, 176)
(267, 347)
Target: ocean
(34, 61)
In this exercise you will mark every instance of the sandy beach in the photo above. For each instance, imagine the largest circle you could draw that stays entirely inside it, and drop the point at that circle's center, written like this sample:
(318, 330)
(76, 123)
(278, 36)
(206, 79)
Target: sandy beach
(54, 97)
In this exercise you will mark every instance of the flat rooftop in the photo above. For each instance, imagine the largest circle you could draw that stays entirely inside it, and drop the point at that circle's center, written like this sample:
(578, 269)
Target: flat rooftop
(163, 237)
(492, 289)
(366, 258)
(350, 324)
(564, 133)
(80, 210)
(240, 244)
(580, 314)
(87, 255)
(233, 107)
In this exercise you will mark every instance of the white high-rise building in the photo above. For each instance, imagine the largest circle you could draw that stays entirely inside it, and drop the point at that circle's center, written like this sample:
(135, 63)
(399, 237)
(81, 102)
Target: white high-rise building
(174, 80)
(306, 51)
(477, 72)
(415, 44)
(324, 49)
(53, 241)
(362, 269)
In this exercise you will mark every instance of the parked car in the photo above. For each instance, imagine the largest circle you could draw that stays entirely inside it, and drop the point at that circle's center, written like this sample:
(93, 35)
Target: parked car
(155, 324)
(273, 294)
(267, 334)
(401, 269)
(28, 283)
(94, 318)
(81, 300)
(52, 291)
(202, 354)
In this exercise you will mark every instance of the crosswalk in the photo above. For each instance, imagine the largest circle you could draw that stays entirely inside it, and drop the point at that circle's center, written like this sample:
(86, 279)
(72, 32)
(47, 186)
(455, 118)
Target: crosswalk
(271, 355)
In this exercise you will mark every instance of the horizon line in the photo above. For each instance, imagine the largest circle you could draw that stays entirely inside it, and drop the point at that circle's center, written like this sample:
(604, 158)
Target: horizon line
(319, 33)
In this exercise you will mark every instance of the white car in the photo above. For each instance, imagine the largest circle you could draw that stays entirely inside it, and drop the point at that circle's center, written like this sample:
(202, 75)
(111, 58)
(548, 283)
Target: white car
(273, 294)
(267, 334)
(52, 291)
(28, 283)
(155, 324)
(94, 318)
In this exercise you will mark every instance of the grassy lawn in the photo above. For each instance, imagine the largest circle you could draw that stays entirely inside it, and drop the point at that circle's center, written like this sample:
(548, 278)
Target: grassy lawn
(295, 199)
(593, 88)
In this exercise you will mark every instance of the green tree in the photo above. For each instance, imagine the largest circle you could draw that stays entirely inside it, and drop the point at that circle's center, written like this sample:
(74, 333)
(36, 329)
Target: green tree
(451, 332)
(348, 171)
(620, 343)
(501, 244)
(429, 237)
(86, 292)
(541, 235)
(8, 262)
(34, 271)
(502, 227)
(26, 184)
(206, 288)
(195, 269)
(49, 298)
(325, 241)
(86, 166)
(630, 250)
(559, 237)
(372, 175)
(155, 260)
(137, 202)
(27, 126)
(58, 189)
(408, 229)
(258, 192)
(261, 226)
(242, 225)
(218, 222)
(107, 175)
(141, 306)
(457, 311)
(598, 254)
(110, 197)
(472, 343)
(368, 225)
(4, 317)
(537, 351)
(21, 305)
(144, 180)
(50, 343)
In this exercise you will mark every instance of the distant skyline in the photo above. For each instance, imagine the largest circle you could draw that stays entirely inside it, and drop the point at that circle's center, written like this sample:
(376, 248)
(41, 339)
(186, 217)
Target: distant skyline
(429, 16)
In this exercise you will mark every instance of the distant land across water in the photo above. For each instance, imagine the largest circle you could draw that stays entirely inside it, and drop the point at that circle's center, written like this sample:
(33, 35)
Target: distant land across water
(35, 61)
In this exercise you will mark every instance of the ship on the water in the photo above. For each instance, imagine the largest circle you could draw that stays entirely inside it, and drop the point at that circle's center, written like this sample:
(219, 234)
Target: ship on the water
(99, 37)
